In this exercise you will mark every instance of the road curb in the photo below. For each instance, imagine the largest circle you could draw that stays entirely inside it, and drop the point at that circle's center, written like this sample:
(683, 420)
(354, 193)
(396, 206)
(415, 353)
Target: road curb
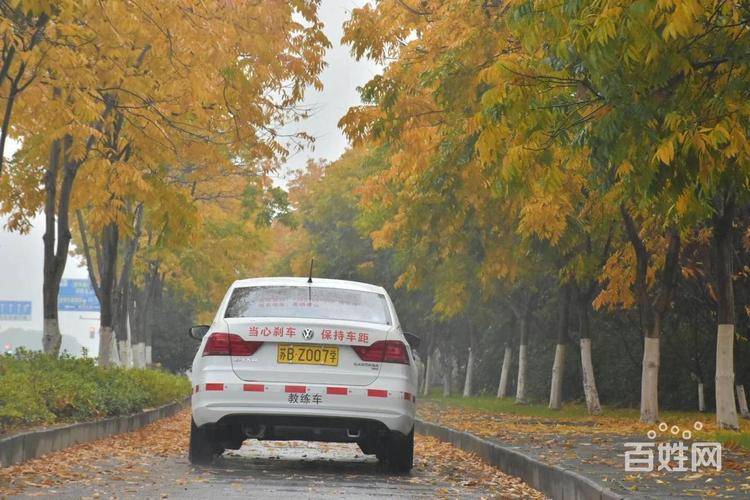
(552, 480)
(27, 445)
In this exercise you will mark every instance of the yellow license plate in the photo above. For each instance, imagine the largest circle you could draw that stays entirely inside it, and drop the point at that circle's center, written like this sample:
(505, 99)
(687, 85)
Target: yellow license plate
(297, 354)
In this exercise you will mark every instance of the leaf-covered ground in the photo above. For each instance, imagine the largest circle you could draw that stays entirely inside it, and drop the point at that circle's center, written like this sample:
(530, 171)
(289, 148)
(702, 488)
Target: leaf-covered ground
(595, 446)
(152, 462)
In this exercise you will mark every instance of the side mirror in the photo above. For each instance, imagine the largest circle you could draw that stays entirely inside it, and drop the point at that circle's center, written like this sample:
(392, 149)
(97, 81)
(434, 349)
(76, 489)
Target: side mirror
(198, 332)
(413, 340)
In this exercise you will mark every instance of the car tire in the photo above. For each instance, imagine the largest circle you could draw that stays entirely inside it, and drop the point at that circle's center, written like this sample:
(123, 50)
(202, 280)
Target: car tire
(202, 448)
(400, 452)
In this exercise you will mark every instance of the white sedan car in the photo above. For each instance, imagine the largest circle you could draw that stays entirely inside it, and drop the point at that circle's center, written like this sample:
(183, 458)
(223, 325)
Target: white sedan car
(314, 360)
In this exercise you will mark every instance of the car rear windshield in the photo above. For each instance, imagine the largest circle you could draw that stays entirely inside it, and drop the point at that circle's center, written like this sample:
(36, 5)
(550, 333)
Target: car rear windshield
(308, 302)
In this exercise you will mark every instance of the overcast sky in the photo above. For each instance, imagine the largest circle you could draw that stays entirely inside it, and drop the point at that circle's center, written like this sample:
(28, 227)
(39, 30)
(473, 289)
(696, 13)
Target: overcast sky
(21, 255)
(340, 81)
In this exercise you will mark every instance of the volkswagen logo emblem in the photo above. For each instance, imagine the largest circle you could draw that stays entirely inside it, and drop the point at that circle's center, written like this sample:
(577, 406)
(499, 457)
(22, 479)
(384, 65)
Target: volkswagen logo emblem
(307, 333)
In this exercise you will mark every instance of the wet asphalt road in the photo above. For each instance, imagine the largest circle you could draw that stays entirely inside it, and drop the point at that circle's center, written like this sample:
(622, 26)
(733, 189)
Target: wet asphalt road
(152, 463)
(262, 470)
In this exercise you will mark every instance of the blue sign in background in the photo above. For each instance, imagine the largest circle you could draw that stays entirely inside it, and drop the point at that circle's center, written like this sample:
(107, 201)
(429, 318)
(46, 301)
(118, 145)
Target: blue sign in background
(77, 295)
(15, 310)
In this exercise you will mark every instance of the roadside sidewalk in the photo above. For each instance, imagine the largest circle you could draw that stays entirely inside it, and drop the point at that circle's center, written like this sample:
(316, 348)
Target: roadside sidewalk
(596, 450)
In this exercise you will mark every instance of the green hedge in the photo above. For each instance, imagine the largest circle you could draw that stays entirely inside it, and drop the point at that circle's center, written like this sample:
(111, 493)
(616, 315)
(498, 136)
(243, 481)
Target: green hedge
(37, 389)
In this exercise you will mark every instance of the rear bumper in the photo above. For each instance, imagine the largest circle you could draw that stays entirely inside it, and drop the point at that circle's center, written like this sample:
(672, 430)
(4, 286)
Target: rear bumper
(390, 402)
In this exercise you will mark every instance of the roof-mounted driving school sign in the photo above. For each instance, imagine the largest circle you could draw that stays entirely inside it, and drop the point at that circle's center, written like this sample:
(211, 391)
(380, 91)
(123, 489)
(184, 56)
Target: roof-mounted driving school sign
(15, 310)
(77, 295)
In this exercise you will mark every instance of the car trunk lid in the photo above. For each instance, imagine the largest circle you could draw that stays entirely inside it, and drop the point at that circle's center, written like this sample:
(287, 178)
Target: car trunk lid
(281, 334)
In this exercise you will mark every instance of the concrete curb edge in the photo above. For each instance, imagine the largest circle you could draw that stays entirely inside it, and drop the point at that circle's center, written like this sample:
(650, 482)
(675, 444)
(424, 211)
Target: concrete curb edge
(24, 446)
(552, 480)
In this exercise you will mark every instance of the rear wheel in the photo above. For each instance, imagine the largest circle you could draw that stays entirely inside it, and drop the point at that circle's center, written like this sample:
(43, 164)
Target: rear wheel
(202, 446)
(399, 452)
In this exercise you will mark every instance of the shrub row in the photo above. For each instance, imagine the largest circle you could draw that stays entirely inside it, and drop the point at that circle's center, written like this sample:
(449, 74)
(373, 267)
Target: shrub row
(37, 389)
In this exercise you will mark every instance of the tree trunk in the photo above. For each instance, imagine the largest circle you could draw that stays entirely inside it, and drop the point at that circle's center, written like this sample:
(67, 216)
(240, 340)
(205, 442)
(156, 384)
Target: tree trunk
(126, 348)
(650, 381)
(454, 373)
(56, 239)
(558, 367)
(469, 370)
(447, 370)
(522, 360)
(589, 381)
(139, 355)
(106, 344)
(742, 401)
(154, 307)
(587, 367)
(110, 236)
(726, 411)
(502, 388)
(137, 325)
(651, 311)
(120, 322)
(51, 339)
(123, 291)
(701, 397)
(139, 346)
(426, 381)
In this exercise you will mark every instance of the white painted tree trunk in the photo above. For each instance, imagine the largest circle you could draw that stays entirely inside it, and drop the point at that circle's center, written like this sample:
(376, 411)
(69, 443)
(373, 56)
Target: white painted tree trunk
(521, 381)
(502, 388)
(650, 381)
(589, 380)
(116, 359)
(454, 374)
(52, 339)
(558, 368)
(139, 355)
(726, 411)
(701, 397)
(124, 351)
(149, 360)
(447, 370)
(469, 371)
(420, 372)
(427, 368)
(128, 360)
(742, 401)
(106, 340)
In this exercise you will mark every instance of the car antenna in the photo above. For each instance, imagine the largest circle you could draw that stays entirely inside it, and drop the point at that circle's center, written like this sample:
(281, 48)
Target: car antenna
(309, 280)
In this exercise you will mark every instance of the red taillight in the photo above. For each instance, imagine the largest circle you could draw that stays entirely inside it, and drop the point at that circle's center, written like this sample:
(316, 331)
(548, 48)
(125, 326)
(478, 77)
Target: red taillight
(387, 351)
(229, 344)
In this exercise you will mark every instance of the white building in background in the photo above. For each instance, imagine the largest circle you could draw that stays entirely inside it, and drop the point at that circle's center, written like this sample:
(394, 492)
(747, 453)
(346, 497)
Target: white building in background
(21, 282)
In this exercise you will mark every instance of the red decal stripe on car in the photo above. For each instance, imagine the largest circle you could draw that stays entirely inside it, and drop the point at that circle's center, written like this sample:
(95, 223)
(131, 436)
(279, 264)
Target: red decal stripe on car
(407, 396)
(377, 393)
(295, 388)
(337, 390)
(254, 387)
(214, 387)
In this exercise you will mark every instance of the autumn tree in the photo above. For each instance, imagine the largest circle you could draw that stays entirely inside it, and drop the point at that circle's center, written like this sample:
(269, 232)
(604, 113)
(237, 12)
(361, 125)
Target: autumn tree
(144, 97)
(645, 81)
(529, 115)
